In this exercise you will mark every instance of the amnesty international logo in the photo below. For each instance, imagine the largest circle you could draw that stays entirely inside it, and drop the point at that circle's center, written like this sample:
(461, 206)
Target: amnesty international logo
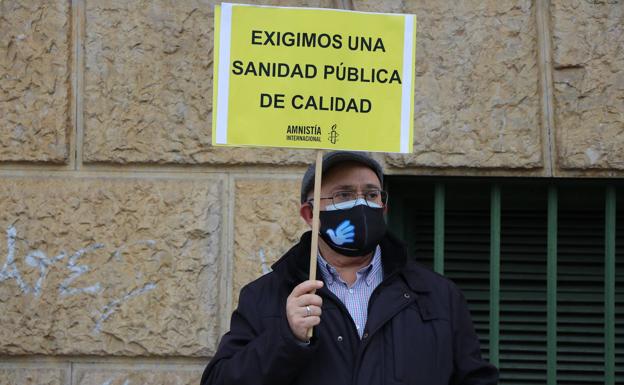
(333, 135)
(303, 133)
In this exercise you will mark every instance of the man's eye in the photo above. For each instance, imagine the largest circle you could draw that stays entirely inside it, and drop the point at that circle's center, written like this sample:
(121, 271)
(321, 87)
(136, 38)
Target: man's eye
(344, 195)
(372, 195)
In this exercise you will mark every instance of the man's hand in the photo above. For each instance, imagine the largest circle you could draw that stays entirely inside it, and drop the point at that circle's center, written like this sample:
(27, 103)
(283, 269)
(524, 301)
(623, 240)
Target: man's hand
(303, 308)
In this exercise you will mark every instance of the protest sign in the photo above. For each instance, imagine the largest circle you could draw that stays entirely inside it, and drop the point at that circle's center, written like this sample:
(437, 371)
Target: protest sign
(313, 78)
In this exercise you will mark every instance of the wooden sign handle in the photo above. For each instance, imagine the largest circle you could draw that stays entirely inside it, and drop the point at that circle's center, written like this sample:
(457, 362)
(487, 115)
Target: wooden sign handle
(318, 172)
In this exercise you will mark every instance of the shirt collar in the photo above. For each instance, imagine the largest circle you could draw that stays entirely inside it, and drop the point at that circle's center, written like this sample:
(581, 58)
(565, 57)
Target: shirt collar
(330, 274)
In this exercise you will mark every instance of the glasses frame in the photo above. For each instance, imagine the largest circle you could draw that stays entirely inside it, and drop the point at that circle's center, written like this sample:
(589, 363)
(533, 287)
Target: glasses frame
(384, 198)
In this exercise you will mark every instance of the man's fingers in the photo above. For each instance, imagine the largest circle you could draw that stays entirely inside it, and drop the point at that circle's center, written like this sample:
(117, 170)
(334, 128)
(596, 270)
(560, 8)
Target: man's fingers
(312, 321)
(309, 299)
(314, 311)
(303, 308)
(306, 287)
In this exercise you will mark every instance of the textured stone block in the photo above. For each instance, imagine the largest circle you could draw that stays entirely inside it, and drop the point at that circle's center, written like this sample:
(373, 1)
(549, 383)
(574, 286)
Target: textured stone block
(109, 266)
(588, 62)
(142, 376)
(35, 54)
(28, 376)
(476, 101)
(266, 225)
(148, 85)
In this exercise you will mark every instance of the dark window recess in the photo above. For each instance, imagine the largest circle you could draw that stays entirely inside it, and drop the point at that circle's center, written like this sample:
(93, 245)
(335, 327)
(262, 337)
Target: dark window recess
(522, 342)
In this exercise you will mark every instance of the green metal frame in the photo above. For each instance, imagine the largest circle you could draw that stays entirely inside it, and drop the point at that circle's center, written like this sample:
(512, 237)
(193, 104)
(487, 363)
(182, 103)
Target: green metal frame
(438, 224)
(551, 288)
(495, 239)
(609, 285)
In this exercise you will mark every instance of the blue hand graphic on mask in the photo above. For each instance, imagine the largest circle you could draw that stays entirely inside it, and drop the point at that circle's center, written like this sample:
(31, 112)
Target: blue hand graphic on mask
(343, 234)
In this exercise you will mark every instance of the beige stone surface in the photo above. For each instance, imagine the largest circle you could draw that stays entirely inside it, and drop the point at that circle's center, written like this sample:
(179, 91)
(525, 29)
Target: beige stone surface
(35, 54)
(266, 225)
(29, 376)
(476, 102)
(109, 266)
(148, 85)
(588, 63)
(144, 376)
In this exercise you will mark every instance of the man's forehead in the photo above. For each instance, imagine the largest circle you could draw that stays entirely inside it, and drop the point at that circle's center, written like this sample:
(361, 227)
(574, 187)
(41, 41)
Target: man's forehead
(355, 186)
(351, 174)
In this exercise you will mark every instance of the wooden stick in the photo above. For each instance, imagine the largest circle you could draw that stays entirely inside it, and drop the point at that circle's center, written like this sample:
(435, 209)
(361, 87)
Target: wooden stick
(316, 207)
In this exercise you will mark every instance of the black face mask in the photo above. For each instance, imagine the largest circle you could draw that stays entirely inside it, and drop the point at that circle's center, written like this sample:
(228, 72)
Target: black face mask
(353, 232)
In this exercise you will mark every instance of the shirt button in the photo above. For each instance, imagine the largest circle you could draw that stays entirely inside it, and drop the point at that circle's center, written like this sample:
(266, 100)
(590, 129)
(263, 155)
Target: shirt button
(351, 291)
(365, 336)
(339, 338)
(406, 295)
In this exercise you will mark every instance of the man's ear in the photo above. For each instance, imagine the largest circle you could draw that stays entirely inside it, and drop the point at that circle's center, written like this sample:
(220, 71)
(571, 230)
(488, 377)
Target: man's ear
(306, 212)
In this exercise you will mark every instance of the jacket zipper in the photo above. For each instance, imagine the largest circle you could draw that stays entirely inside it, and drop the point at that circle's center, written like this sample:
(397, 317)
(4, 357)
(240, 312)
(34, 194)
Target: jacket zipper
(363, 344)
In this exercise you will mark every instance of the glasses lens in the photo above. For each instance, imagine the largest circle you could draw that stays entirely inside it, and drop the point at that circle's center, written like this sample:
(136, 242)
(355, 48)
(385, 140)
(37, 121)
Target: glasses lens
(376, 198)
(344, 196)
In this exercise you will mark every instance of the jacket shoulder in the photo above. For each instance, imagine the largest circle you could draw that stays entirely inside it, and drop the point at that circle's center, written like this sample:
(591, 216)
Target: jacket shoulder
(425, 279)
(266, 294)
(269, 282)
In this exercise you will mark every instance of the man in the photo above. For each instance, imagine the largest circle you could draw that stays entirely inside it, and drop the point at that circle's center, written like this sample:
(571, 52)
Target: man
(378, 317)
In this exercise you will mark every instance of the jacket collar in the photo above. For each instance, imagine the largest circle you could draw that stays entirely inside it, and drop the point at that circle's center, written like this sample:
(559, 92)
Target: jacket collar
(294, 266)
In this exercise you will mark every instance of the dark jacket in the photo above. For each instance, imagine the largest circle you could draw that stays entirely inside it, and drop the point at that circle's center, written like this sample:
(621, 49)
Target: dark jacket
(419, 331)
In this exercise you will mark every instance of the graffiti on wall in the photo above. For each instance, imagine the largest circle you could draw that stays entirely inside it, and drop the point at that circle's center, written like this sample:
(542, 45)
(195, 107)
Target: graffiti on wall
(42, 263)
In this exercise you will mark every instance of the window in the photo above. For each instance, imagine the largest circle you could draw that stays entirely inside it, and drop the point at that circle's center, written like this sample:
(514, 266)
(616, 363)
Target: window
(541, 263)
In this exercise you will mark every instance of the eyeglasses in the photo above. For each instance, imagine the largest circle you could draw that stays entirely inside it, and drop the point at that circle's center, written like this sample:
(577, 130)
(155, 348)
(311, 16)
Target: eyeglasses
(347, 199)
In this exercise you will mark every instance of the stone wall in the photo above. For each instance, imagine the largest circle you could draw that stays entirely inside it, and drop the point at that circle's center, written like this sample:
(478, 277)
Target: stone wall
(125, 236)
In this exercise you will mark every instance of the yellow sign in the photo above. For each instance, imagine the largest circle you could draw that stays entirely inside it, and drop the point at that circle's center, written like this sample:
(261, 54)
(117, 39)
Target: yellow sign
(313, 78)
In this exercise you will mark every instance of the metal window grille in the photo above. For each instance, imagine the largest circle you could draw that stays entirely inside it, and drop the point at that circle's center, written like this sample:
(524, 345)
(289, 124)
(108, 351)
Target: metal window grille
(541, 264)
